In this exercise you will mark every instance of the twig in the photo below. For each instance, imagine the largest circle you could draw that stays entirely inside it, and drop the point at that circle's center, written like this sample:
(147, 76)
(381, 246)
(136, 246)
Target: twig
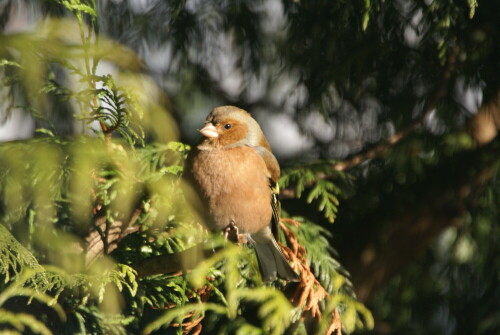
(99, 243)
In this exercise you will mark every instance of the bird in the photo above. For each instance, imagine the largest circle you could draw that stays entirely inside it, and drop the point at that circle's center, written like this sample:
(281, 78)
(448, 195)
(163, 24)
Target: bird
(237, 175)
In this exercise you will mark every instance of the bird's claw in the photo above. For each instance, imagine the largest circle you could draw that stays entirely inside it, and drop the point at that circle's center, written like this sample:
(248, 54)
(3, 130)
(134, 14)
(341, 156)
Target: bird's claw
(231, 233)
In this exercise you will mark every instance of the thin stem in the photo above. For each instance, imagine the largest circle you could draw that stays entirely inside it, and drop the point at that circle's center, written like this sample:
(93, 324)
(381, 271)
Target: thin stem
(95, 59)
(94, 103)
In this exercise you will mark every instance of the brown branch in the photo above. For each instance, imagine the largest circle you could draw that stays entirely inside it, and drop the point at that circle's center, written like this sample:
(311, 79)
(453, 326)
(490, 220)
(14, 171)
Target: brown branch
(335, 324)
(429, 106)
(97, 244)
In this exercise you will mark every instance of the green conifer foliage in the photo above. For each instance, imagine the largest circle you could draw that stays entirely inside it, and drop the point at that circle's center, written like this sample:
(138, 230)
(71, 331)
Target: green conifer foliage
(99, 232)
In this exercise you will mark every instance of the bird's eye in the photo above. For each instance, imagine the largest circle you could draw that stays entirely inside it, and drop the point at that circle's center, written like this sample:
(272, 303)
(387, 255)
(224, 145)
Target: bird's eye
(227, 126)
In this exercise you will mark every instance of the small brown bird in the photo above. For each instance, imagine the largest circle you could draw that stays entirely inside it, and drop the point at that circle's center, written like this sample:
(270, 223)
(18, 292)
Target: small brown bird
(237, 175)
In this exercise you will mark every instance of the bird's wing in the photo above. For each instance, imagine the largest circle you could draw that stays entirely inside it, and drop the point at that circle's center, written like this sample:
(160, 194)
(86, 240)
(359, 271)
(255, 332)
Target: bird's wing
(274, 174)
(271, 163)
(276, 205)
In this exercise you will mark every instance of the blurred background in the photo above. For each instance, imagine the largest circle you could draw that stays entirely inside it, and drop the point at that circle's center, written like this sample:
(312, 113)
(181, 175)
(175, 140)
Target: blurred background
(403, 96)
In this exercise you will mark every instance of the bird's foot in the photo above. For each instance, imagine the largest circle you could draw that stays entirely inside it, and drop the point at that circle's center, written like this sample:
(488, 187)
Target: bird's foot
(231, 233)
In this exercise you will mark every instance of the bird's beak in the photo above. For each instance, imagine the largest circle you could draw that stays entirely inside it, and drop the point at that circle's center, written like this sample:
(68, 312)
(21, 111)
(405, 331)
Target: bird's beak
(209, 131)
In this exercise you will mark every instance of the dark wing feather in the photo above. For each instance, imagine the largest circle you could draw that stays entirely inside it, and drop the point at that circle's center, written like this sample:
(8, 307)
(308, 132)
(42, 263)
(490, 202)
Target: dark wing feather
(274, 174)
(276, 205)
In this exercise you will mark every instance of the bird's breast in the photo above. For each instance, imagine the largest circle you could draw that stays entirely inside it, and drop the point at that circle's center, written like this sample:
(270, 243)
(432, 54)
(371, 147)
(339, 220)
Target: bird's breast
(235, 183)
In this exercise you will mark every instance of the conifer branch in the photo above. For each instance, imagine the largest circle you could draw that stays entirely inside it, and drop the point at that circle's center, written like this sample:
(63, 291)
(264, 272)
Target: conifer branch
(173, 263)
(309, 294)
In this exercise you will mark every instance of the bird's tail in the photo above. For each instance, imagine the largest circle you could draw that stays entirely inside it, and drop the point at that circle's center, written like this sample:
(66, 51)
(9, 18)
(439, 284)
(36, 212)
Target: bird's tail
(272, 262)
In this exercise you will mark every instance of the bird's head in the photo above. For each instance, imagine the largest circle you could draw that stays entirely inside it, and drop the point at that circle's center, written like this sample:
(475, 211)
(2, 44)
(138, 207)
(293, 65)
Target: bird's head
(232, 126)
